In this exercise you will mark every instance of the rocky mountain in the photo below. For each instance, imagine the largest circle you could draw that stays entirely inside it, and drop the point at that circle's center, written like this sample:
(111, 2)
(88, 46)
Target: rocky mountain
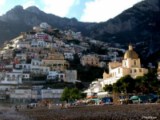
(18, 20)
(139, 24)
(133, 25)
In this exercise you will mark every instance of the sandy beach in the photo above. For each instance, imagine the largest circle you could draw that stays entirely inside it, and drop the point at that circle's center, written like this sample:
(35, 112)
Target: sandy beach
(9, 113)
(106, 112)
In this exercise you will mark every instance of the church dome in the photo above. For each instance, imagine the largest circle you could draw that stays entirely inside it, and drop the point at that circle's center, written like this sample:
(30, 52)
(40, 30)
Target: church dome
(130, 53)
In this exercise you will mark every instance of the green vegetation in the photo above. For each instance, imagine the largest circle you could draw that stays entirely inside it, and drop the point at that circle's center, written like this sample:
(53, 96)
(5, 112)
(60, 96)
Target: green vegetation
(144, 84)
(108, 88)
(73, 41)
(71, 94)
(89, 73)
(97, 49)
(38, 77)
(61, 85)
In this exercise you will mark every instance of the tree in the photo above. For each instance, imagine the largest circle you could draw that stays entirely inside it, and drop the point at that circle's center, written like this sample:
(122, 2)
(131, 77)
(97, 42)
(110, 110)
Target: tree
(124, 84)
(128, 84)
(74, 94)
(142, 84)
(71, 94)
(66, 94)
(147, 83)
(108, 88)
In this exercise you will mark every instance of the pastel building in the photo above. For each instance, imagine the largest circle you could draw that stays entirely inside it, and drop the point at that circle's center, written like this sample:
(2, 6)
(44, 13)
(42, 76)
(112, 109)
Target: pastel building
(91, 60)
(56, 62)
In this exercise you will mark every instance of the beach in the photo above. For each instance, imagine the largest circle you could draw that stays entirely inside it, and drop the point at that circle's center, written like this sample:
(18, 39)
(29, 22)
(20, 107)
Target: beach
(105, 112)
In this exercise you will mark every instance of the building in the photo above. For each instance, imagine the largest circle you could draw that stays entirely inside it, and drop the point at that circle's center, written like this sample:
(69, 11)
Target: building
(91, 60)
(53, 94)
(52, 75)
(22, 44)
(21, 95)
(25, 95)
(71, 76)
(56, 62)
(69, 55)
(130, 65)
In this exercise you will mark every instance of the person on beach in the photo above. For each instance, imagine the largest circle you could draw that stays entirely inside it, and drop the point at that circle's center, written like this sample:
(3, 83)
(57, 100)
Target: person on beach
(16, 108)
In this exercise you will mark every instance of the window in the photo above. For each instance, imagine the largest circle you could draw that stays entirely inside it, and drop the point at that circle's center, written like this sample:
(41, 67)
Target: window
(130, 71)
(118, 70)
(20, 66)
(135, 70)
(134, 62)
(140, 70)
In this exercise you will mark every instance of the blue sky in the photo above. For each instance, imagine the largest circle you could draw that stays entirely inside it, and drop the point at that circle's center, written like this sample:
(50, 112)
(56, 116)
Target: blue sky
(83, 10)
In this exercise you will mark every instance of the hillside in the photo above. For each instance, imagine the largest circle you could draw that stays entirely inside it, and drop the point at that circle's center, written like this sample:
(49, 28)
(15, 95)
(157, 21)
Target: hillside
(18, 19)
(139, 24)
(138, 21)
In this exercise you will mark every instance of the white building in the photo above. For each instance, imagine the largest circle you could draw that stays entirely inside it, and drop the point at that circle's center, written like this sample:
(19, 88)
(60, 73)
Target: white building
(52, 75)
(21, 56)
(21, 94)
(40, 69)
(36, 62)
(24, 95)
(71, 76)
(12, 78)
(68, 55)
(24, 67)
(22, 44)
(51, 93)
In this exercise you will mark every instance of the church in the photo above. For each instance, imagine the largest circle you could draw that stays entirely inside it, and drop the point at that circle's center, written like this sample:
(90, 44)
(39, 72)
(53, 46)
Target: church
(130, 65)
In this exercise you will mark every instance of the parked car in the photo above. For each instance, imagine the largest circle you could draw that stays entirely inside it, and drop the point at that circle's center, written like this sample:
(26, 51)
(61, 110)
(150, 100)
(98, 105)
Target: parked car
(107, 100)
(139, 99)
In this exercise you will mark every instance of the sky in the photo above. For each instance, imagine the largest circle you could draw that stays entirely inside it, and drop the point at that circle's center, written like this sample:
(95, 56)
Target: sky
(83, 10)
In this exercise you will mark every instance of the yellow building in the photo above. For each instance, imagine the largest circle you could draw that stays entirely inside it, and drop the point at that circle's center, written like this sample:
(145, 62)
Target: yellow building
(91, 60)
(130, 65)
(56, 62)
